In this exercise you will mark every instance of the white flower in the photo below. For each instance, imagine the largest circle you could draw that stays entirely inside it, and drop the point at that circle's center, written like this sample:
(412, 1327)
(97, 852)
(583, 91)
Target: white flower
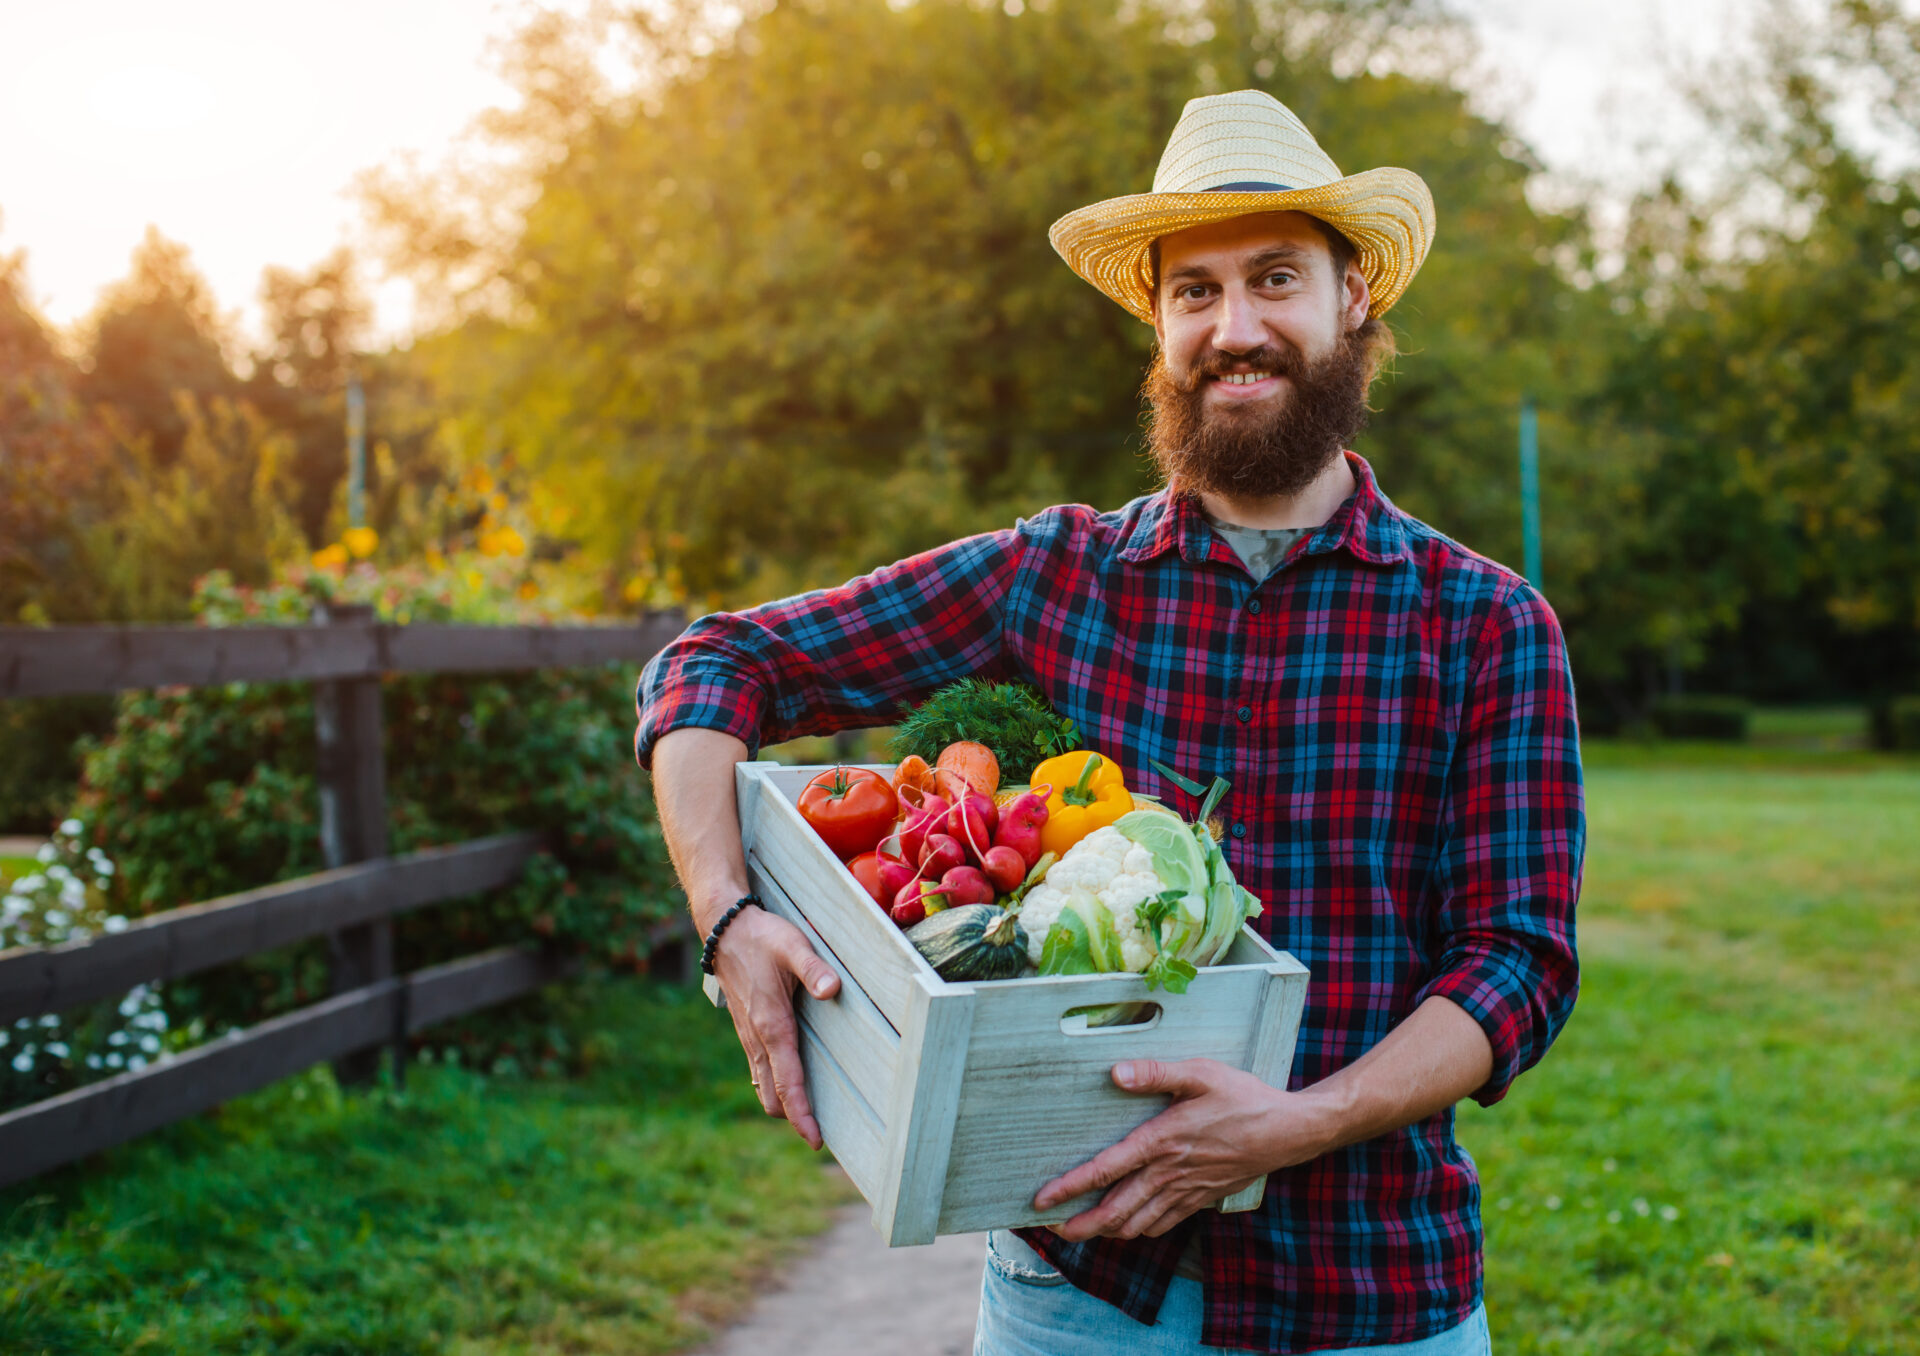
(72, 828)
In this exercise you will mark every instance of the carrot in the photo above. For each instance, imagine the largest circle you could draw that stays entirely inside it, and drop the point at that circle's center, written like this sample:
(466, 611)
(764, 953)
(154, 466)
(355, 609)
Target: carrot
(913, 772)
(972, 763)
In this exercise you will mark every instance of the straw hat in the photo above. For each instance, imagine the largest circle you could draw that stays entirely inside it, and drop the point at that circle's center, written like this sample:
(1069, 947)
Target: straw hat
(1232, 155)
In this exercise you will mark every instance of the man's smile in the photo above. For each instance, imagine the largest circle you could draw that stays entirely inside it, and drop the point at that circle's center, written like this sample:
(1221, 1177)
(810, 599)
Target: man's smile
(1245, 385)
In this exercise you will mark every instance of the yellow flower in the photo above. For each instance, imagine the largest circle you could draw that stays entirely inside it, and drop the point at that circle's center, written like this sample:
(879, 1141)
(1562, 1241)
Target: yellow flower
(635, 590)
(333, 557)
(502, 541)
(360, 541)
(473, 579)
(529, 590)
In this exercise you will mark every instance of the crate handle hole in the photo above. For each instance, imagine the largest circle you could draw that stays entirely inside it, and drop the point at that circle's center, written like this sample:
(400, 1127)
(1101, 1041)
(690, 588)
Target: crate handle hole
(1146, 1018)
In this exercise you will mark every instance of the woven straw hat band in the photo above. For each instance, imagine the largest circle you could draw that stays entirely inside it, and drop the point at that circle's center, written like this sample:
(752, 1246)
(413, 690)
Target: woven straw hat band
(1235, 155)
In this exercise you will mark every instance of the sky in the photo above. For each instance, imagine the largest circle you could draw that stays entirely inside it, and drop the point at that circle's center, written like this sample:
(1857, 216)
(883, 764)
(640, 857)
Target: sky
(237, 127)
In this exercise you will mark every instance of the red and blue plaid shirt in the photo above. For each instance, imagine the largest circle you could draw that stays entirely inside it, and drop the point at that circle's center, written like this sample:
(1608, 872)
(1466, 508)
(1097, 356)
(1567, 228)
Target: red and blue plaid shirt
(1396, 716)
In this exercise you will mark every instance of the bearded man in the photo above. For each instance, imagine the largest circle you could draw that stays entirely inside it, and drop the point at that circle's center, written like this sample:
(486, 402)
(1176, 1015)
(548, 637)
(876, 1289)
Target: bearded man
(1393, 711)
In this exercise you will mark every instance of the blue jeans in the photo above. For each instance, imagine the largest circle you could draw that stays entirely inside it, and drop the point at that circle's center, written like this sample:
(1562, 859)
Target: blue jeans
(1028, 1309)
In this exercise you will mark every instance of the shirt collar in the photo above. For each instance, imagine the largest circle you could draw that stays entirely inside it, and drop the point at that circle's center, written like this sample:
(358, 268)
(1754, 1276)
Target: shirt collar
(1366, 525)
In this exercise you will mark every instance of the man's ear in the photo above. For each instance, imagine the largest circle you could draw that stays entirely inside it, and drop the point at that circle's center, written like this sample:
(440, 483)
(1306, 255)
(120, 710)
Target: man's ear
(1359, 298)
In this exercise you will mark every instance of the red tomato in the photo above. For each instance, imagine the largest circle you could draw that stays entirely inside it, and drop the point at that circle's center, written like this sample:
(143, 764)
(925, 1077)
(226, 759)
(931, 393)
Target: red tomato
(850, 808)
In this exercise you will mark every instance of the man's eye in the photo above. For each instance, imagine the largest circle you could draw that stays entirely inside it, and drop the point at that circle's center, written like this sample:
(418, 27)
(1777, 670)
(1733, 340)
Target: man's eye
(1194, 291)
(1279, 279)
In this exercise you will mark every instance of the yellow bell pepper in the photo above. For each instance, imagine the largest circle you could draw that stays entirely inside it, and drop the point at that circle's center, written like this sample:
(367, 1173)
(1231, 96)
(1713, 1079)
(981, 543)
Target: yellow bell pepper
(1089, 792)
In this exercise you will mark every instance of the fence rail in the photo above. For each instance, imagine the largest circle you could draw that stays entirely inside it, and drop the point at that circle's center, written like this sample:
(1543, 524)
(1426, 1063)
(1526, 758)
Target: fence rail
(58, 660)
(352, 904)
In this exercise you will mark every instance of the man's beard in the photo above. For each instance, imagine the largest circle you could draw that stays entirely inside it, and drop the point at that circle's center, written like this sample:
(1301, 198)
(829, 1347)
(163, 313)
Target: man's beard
(1270, 448)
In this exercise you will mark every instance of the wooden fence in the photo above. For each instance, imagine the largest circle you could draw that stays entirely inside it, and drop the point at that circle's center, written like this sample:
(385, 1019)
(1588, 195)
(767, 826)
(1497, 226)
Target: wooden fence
(352, 903)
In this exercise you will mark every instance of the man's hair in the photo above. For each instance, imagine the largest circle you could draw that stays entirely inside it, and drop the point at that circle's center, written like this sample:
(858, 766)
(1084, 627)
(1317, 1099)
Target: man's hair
(1375, 339)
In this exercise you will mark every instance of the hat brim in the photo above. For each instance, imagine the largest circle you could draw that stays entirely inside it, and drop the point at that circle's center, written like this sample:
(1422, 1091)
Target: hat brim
(1386, 213)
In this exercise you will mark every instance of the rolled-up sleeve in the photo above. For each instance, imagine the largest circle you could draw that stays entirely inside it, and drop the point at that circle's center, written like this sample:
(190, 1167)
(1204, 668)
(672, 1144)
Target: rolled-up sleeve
(840, 658)
(1509, 876)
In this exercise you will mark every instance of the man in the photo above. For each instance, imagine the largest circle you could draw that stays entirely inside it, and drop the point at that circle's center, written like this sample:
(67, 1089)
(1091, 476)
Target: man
(1394, 713)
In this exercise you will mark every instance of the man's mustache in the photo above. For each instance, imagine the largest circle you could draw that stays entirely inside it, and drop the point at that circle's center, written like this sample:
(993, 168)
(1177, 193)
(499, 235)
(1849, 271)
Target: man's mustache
(1267, 358)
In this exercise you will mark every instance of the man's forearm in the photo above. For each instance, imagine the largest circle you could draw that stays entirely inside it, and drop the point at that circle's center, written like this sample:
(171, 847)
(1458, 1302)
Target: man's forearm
(700, 817)
(1436, 1057)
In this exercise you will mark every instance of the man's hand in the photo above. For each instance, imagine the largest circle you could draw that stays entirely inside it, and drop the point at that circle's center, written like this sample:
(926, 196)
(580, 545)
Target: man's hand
(760, 959)
(1225, 1130)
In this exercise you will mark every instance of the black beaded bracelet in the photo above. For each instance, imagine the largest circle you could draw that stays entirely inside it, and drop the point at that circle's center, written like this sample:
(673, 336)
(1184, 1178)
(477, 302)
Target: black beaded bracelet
(712, 946)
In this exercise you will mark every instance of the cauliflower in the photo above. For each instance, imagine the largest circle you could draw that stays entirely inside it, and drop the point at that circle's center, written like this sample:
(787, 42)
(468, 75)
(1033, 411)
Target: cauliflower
(1119, 873)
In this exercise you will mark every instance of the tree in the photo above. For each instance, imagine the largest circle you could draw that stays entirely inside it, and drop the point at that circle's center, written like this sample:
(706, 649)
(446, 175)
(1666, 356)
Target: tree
(788, 310)
(156, 333)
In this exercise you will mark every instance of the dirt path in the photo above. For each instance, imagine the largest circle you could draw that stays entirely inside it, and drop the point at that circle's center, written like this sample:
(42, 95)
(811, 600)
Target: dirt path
(852, 1295)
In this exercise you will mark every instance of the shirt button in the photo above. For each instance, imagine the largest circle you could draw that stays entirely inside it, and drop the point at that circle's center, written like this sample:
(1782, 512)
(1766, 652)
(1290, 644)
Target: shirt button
(1239, 829)
(1245, 713)
(1254, 607)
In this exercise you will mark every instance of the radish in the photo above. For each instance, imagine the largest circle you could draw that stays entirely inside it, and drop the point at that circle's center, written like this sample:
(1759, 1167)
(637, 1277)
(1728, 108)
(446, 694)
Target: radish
(1004, 867)
(917, 898)
(1020, 822)
(972, 820)
(940, 853)
(965, 885)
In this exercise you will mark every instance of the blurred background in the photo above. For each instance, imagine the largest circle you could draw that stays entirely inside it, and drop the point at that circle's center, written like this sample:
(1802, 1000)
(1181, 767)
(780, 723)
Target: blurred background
(571, 311)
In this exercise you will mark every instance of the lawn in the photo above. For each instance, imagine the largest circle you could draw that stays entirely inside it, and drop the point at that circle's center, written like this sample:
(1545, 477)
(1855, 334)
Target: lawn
(629, 1210)
(1722, 1154)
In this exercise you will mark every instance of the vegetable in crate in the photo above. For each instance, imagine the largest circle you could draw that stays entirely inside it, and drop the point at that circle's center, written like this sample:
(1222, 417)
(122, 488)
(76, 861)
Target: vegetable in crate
(973, 941)
(1150, 894)
(1088, 792)
(1011, 719)
(851, 809)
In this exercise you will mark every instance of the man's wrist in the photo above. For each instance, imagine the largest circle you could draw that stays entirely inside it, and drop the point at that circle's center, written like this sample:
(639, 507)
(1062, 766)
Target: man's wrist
(711, 903)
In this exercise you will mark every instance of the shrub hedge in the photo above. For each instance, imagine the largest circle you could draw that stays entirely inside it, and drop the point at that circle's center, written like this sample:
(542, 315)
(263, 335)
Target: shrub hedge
(201, 792)
(1691, 717)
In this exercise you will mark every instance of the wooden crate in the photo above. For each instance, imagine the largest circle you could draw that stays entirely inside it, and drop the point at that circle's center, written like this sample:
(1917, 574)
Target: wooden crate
(950, 1105)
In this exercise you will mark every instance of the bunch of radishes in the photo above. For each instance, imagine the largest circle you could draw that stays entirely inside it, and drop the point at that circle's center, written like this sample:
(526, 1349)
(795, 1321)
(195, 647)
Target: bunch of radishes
(951, 844)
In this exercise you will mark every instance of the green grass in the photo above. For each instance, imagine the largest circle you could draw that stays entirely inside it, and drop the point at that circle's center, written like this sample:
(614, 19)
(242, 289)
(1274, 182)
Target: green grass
(1722, 1153)
(12, 868)
(625, 1211)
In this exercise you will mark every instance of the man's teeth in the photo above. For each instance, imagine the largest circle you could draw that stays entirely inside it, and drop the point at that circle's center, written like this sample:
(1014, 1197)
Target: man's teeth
(1245, 378)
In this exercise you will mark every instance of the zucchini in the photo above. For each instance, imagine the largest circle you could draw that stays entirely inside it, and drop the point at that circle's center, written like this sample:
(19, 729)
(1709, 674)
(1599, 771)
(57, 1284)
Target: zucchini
(973, 941)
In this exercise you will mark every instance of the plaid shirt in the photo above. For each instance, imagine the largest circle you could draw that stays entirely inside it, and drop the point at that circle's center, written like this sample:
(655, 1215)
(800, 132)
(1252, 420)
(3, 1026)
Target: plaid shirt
(1396, 716)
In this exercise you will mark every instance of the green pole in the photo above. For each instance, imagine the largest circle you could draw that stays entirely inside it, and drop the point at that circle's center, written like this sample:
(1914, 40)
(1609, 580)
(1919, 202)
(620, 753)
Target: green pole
(1530, 488)
(356, 454)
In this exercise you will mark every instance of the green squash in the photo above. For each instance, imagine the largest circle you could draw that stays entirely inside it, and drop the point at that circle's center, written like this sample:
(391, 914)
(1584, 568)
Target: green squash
(973, 941)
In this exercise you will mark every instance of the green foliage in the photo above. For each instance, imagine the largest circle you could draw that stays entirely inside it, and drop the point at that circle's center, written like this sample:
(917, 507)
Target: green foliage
(157, 336)
(1685, 716)
(791, 312)
(62, 897)
(39, 760)
(202, 792)
(1012, 719)
(1896, 724)
(626, 1211)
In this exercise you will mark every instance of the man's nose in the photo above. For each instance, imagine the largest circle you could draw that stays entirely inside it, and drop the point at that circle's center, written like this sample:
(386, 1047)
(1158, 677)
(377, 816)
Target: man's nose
(1237, 325)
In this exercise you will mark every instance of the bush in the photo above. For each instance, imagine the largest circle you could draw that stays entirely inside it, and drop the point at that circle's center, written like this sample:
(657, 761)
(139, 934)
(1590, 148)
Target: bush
(39, 760)
(66, 900)
(1689, 717)
(1894, 723)
(202, 792)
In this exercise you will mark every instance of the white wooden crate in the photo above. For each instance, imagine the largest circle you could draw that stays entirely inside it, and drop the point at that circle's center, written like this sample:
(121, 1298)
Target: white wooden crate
(950, 1105)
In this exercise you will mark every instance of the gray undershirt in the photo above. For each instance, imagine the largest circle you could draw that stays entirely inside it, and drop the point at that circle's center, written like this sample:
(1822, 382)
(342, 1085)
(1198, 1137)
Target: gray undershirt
(1261, 549)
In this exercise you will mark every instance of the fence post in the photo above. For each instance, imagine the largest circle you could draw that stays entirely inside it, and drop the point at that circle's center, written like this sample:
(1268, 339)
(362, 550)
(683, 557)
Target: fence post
(353, 827)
